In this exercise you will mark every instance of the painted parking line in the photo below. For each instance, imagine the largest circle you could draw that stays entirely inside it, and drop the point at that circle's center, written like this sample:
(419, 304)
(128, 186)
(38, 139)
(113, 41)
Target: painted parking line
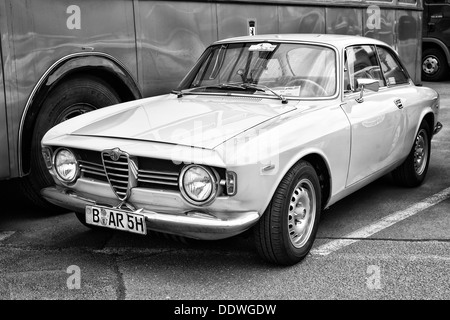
(6, 234)
(381, 224)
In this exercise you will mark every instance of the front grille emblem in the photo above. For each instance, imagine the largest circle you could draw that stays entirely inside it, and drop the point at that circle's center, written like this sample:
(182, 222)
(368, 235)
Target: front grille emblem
(120, 171)
(115, 154)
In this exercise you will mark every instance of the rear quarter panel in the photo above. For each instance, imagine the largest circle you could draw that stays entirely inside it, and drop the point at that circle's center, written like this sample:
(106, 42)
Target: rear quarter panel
(419, 102)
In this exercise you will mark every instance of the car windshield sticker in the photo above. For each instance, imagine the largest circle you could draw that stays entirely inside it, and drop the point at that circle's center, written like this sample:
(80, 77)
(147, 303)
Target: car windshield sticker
(391, 80)
(289, 91)
(263, 47)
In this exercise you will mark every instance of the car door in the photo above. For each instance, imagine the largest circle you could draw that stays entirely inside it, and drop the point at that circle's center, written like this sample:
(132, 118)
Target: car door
(377, 120)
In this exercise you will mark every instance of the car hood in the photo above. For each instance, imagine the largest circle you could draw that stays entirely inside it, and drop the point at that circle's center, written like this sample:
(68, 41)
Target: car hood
(192, 120)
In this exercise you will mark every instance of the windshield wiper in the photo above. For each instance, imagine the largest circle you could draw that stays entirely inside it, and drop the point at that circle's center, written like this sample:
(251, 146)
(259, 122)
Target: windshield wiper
(212, 86)
(260, 87)
(239, 86)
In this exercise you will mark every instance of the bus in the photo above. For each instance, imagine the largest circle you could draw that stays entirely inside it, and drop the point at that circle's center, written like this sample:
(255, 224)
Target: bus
(436, 40)
(60, 59)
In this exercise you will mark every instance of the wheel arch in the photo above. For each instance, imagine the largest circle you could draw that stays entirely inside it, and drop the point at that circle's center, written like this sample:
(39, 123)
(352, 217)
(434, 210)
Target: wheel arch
(431, 43)
(322, 169)
(320, 164)
(96, 64)
(429, 119)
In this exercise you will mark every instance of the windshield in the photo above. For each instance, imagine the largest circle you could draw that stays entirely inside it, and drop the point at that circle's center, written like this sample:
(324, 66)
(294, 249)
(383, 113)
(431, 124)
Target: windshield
(292, 70)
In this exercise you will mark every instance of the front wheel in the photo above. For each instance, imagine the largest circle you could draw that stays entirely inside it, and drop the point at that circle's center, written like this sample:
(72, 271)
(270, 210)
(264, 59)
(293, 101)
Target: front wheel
(413, 170)
(286, 231)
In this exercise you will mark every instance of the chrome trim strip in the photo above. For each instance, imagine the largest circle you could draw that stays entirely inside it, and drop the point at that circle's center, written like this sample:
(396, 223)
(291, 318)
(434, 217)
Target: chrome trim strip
(159, 182)
(158, 172)
(93, 172)
(154, 176)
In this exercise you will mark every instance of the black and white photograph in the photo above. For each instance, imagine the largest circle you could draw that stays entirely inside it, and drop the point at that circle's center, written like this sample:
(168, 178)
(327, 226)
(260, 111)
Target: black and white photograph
(223, 159)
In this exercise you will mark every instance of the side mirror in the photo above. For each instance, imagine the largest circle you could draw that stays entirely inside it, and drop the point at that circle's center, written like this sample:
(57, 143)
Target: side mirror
(371, 84)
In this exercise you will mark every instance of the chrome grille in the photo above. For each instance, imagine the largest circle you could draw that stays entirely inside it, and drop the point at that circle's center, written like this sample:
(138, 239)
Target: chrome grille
(117, 173)
(94, 170)
(147, 173)
(158, 178)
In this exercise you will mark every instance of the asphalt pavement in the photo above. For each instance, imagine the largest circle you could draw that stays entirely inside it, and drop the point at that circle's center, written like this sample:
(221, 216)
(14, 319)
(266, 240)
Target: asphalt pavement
(383, 242)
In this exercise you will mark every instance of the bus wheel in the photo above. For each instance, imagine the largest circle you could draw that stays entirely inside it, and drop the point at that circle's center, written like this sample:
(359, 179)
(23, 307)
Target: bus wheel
(434, 65)
(69, 99)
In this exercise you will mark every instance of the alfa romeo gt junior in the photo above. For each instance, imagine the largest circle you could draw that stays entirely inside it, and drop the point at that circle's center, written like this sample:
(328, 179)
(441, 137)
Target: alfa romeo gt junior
(263, 133)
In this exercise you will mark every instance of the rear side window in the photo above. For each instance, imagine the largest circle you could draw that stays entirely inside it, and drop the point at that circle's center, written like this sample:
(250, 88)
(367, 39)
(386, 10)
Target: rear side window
(391, 67)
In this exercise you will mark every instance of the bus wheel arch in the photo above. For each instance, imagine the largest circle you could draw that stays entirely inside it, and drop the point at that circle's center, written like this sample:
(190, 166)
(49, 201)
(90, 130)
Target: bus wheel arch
(58, 94)
(435, 63)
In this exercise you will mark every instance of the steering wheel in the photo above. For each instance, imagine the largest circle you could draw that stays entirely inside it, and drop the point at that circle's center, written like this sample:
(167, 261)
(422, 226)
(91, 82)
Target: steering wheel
(308, 84)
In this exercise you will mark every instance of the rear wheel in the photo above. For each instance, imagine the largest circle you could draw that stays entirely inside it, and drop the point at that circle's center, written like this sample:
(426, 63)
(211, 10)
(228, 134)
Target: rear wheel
(286, 232)
(413, 170)
(74, 97)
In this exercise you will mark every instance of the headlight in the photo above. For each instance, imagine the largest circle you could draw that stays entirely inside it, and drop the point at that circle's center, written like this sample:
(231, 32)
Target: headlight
(66, 165)
(198, 184)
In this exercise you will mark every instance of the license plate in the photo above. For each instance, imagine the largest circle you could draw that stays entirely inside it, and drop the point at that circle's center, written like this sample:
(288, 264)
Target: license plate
(116, 219)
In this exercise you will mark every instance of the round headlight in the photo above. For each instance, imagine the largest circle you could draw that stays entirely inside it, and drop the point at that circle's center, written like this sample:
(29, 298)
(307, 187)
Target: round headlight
(198, 184)
(66, 165)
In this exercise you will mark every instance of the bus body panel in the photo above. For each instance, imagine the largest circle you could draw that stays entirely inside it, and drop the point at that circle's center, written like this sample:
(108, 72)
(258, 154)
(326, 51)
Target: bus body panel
(4, 150)
(437, 22)
(157, 42)
(39, 33)
(409, 41)
(171, 37)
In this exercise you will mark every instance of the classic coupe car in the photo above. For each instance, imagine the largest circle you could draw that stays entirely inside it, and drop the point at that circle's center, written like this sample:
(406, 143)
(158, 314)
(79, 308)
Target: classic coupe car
(263, 133)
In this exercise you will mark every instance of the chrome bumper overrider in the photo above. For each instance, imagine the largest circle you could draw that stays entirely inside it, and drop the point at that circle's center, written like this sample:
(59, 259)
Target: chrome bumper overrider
(194, 224)
(437, 128)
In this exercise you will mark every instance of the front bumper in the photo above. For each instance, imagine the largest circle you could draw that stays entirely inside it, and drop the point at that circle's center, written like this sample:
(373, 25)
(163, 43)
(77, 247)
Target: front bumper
(193, 224)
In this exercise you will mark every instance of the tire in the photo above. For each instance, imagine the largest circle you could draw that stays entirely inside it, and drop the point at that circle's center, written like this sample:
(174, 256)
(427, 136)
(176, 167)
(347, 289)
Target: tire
(434, 65)
(412, 172)
(298, 196)
(73, 97)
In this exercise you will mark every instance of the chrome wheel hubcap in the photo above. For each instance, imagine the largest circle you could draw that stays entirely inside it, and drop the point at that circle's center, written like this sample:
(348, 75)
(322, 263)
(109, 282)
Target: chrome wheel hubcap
(421, 152)
(430, 65)
(302, 212)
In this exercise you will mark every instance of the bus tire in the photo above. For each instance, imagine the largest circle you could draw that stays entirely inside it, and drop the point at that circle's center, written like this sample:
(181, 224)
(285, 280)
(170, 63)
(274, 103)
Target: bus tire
(68, 99)
(434, 65)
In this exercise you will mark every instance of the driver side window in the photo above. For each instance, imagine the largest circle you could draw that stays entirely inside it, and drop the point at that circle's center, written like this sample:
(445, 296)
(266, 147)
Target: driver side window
(361, 63)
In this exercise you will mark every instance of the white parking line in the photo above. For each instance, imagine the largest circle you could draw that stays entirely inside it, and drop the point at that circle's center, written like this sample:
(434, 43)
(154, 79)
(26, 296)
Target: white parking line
(6, 234)
(381, 224)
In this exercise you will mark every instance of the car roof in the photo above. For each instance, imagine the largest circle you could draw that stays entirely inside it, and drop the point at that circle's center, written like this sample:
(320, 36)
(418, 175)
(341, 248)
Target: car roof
(339, 41)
